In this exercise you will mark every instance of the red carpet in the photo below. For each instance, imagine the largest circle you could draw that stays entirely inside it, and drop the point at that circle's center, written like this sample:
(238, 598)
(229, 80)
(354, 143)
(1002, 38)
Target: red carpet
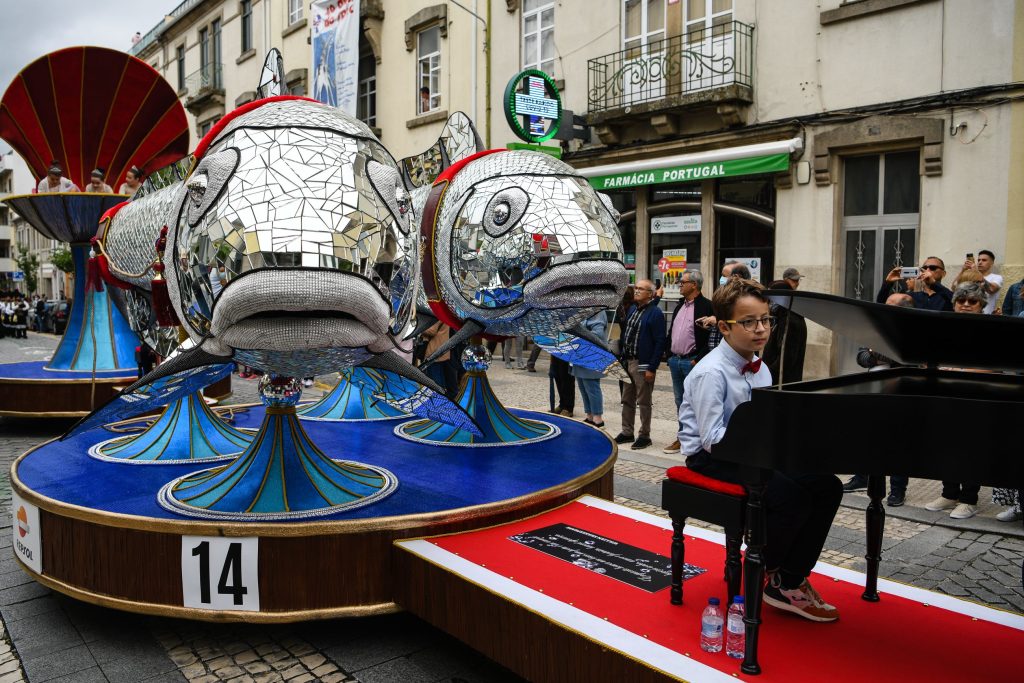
(897, 639)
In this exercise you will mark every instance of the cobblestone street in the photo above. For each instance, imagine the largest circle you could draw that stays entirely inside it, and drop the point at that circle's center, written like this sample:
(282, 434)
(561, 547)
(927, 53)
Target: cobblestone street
(49, 637)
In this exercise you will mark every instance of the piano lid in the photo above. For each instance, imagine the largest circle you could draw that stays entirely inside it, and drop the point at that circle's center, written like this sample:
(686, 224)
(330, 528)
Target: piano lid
(915, 337)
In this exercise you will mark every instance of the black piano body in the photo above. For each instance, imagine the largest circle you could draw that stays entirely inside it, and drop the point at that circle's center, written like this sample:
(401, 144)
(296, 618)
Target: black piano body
(931, 424)
(958, 371)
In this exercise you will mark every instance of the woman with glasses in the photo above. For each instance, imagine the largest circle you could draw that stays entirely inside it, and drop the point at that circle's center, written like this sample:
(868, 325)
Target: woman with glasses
(972, 297)
(962, 499)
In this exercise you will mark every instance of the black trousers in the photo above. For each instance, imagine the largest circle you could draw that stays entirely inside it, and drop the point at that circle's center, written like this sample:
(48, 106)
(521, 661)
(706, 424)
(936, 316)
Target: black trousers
(965, 493)
(564, 383)
(799, 510)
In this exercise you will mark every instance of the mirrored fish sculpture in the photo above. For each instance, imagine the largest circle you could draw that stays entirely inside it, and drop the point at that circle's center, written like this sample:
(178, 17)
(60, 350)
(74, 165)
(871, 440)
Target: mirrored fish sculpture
(348, 401)
(272, 82)
(288, 247)
(515, 243)
(53, 113)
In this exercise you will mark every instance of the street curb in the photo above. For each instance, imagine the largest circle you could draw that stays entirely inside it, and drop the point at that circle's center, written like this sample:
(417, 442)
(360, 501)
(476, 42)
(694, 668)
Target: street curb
(910, 513)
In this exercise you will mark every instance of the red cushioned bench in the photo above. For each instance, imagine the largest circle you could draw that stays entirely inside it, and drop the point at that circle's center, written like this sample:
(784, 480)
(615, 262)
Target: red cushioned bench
(688, 494)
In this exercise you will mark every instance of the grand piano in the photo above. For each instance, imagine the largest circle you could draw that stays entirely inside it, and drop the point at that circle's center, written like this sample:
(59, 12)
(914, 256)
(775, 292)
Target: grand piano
(905, 420)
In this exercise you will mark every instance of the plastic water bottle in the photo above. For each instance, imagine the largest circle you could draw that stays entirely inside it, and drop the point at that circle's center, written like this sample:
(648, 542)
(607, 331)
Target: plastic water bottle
(711, 623)
(735, 634)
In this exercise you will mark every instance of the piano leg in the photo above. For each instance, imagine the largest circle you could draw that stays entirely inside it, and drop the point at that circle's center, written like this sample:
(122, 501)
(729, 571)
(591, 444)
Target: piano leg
(753, 575)
(875, 516)
(678, 560)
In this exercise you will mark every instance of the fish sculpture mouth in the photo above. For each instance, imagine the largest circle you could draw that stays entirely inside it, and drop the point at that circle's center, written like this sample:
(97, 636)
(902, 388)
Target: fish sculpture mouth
(582, 284)
(282, 309)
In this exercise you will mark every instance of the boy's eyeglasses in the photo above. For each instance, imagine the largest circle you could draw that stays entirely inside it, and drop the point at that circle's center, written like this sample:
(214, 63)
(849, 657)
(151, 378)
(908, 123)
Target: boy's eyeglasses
(766, 322)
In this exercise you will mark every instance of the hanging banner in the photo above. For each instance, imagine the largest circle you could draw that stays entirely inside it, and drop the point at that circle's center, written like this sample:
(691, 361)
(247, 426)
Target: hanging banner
(770, 163)
(336, 53)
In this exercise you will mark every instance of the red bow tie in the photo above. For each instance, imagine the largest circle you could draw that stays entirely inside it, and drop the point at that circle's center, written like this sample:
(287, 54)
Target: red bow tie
(752, 367)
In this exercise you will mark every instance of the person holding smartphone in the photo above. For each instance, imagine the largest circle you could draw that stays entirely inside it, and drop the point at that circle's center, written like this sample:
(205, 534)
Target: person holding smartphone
(926, 289)
(993, 281)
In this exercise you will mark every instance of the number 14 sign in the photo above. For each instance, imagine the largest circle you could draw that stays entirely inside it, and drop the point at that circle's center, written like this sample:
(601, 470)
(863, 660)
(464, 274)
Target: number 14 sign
(220, 573)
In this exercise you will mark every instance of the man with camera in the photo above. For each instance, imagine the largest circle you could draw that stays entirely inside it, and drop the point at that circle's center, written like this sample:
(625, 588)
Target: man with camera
(924, 285)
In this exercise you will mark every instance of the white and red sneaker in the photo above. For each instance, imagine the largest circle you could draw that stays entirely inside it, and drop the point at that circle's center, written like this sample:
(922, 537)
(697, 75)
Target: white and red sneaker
(804, 600)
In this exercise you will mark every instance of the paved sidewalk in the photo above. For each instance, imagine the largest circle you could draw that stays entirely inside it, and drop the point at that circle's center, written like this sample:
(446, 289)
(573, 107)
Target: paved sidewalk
(48, 637)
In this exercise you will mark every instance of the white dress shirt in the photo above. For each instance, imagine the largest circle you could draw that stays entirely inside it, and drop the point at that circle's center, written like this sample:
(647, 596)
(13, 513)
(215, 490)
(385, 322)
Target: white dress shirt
(712, 390)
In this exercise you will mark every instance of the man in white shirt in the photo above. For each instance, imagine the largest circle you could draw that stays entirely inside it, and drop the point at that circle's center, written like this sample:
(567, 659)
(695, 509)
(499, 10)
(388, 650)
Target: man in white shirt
(55, 180)
(993, 281)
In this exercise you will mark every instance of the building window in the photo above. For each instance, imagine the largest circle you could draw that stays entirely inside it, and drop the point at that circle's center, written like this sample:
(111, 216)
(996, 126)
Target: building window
(745, 225)
(179, 58)
(643, 24)
(205, 126)
(707, 18)
(539, 35)
(881, 212)
(246, 25)
(204, 49)
(428, 72)
(294, 11)
(366, 107)
(215, 36)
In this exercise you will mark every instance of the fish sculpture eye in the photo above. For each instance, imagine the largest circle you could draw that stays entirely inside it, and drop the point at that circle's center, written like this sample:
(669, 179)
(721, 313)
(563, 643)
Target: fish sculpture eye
(197, 188)
(387, 183)
(505, 210)
(500, 213)
(209, 182)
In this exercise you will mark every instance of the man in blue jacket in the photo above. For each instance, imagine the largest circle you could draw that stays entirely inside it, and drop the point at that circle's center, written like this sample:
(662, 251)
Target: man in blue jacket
(643, 341)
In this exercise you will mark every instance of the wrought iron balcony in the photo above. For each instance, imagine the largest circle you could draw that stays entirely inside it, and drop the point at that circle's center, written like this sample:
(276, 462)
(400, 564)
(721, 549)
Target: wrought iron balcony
(209, 77)
(695, 63)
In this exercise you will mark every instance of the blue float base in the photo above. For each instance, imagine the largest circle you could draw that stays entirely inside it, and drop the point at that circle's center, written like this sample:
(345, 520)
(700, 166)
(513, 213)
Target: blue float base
(431, 478)
(37, 370)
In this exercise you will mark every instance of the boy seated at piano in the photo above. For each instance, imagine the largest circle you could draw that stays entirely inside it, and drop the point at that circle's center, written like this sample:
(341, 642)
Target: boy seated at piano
(799, 507)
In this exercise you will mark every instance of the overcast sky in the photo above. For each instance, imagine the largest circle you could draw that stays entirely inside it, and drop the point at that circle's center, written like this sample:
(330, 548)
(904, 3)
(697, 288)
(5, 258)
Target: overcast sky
(29, 30)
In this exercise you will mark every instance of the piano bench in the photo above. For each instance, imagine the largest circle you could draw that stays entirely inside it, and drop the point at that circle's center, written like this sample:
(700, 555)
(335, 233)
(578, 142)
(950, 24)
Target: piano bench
(688, 494)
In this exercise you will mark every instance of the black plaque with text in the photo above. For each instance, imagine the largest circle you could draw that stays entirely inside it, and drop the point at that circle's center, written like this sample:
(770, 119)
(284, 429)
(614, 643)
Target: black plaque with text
(620, 561)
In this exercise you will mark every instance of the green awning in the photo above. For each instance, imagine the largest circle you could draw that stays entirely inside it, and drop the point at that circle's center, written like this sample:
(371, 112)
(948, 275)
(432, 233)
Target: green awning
(767, 163)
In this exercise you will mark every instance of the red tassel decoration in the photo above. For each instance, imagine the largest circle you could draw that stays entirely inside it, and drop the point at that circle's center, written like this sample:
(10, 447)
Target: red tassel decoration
(108, 277)
(165, 313)
(93, 281)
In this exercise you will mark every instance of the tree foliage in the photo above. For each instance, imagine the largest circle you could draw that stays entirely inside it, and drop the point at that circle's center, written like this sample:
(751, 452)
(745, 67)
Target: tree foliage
(28, 263)
(61, 259)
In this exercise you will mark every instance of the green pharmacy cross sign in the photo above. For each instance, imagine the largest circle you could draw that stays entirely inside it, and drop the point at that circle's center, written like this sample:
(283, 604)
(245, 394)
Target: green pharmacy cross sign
(533, 108)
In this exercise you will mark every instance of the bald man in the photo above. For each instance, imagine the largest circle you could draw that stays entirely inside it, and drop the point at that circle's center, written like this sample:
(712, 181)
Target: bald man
(643, 341)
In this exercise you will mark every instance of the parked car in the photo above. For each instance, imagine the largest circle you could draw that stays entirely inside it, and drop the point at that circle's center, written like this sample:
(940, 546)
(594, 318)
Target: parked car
(60, 312)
